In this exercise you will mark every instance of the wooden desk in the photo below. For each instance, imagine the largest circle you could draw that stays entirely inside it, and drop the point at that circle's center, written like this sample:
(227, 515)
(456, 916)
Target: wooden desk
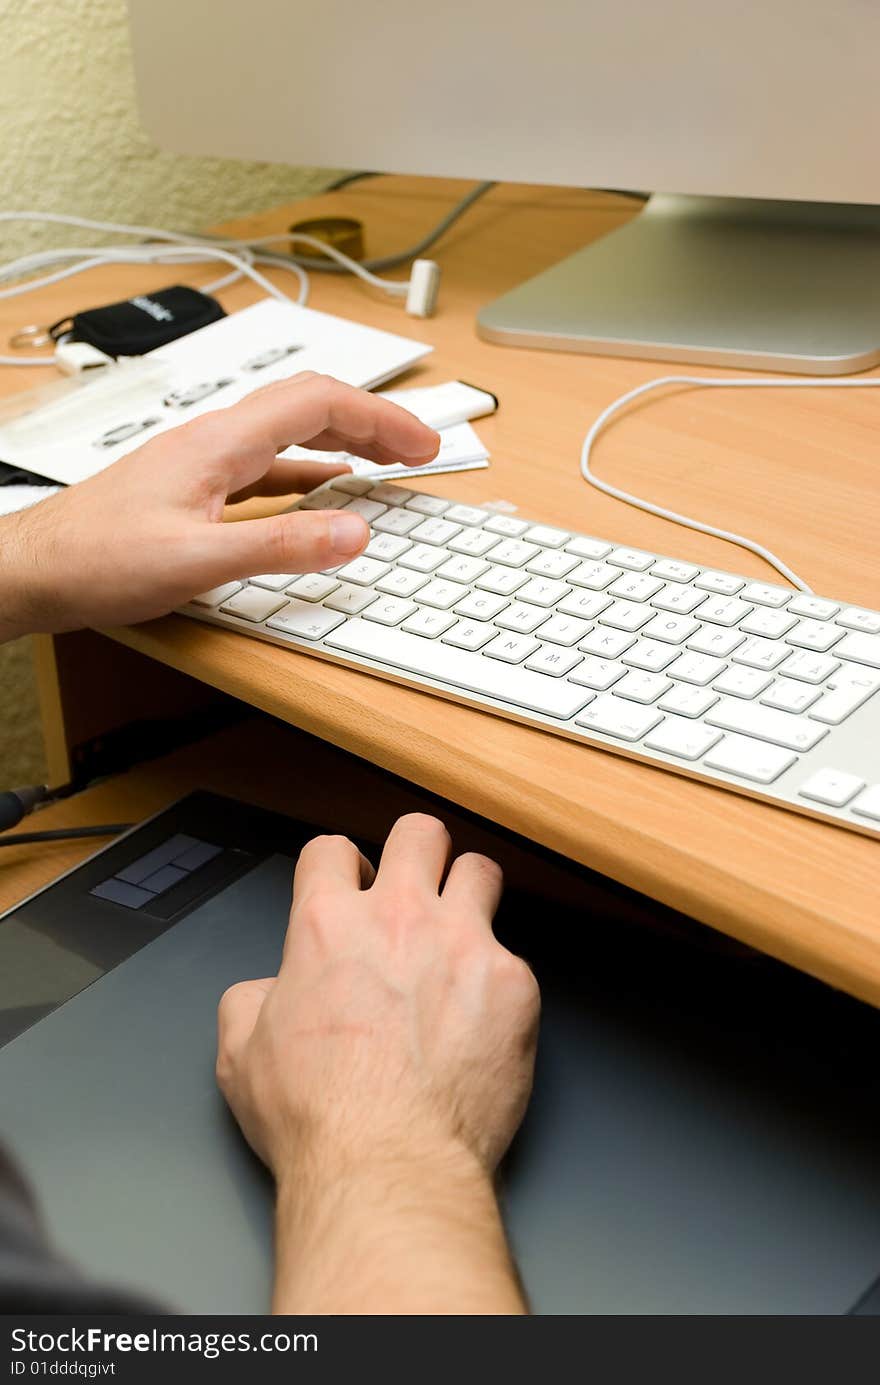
(798, 471)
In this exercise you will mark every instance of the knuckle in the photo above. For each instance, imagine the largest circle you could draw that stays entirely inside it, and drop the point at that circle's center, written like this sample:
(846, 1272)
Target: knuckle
(482, 867)
(518, 979)
(424, 825)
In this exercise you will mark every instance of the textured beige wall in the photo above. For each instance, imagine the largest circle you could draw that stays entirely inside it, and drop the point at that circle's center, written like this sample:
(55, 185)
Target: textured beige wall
(70, 141)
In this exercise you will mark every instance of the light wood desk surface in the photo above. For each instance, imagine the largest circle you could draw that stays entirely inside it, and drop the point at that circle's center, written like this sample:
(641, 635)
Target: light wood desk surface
(800, 471)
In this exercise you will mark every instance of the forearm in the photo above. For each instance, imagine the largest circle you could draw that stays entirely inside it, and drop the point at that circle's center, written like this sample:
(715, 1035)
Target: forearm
(20, 575)
(393, 1238)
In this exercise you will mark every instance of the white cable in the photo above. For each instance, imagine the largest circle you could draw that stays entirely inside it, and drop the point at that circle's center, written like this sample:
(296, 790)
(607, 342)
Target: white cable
(700, 382)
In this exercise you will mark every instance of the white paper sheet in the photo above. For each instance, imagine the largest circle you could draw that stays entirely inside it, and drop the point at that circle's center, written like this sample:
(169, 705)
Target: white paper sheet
(71, 449)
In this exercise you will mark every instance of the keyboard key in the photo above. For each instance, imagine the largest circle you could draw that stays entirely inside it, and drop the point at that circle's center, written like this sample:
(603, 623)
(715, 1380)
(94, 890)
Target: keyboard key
(328, 499)
(428, 505)
(682, 600)
(474, 542)
(781, 728)
(614, 716)
(466, 514)
(650, 655)
(438, 531)
(504, 581)
(818, 635)
(396, 522)
(854, 618)
(401, 582)
(460, 568)
(217, 595)
(635, 586)
(868, 803)
(423, 557)
(563, 629)
(714, 639)
(671, 628)
(273, 581)
(313, 586)
(595, 576)
(442, 594)
(771, 624)
(686, 739)
(626, 615)
(522, 617)
(353, 485)
(696, 668)
(632, 558)
(723, 611)
(672, 571)
(761, 594)
(831, 786)
(742, 682)
(749, 759)
(349, 598)
(587, 548)
(787, 695)
(519, 687)
(307, 621)
(363, 571)
(600, 674)
(386, 547)
(546, 537)
(607, 644)
(513, 552)
(810, 668)
(481, 606)
(724, 583)
(862, 649)
(470, 634)
(512, 649)
(543, 591)
(586, 605)
(389, 610)
(369, 510)
(506, 525)
(841, 701)
(429, 623)
(812, 607)
(553, 661)
(687, 701)
(253, 604)
(758, 653)
(552, 564)
(387, 494)
(642, 687)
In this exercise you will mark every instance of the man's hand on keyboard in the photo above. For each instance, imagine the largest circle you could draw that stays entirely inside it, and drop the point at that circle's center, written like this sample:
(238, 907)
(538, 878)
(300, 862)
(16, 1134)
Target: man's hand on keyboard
(145, 535)
(382, 1074)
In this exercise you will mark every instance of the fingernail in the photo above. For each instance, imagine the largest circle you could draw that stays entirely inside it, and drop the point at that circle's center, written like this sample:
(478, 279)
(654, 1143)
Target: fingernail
(348, 534)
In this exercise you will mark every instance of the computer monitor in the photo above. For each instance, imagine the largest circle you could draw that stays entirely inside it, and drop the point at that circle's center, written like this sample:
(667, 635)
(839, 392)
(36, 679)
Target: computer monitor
(753, 125)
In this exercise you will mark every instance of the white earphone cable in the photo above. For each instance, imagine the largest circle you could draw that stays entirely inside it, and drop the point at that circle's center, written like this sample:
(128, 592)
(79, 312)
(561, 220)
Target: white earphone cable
(702, 382)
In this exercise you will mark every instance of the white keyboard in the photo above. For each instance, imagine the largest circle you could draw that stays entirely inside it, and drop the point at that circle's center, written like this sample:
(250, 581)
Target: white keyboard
(748, 685)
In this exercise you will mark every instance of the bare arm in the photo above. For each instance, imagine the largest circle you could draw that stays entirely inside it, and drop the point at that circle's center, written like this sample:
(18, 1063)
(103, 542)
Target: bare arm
(382, 1075)
(145, 535)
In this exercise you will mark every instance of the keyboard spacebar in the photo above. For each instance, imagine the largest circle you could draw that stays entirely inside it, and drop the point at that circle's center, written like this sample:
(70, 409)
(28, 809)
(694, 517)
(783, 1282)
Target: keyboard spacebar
(471, 672)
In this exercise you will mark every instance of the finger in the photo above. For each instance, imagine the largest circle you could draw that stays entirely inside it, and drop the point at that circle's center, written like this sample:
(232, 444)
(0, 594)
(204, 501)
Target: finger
(330, 862)
(415, 856)
(307, 541)
(473, 887)
(287, 476)
(237, 1014)
(320, 412)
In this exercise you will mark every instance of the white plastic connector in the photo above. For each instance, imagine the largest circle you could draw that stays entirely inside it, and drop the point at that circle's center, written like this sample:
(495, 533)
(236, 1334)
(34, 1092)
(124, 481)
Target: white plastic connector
(424, 285)
(75, 357)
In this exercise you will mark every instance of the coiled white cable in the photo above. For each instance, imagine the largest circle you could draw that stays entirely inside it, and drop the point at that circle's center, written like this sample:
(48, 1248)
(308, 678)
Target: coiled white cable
(703, 382)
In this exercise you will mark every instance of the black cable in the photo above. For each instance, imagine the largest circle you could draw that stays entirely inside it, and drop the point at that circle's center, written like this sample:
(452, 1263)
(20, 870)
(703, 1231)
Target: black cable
(62, 834)
(347, 178)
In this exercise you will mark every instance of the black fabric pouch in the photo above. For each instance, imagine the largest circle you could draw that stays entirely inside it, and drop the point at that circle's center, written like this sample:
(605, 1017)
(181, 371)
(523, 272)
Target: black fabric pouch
(142, 323)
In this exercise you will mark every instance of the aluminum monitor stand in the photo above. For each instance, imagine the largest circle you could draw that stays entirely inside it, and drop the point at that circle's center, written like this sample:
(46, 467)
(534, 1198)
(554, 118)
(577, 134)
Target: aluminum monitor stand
(785, 286)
